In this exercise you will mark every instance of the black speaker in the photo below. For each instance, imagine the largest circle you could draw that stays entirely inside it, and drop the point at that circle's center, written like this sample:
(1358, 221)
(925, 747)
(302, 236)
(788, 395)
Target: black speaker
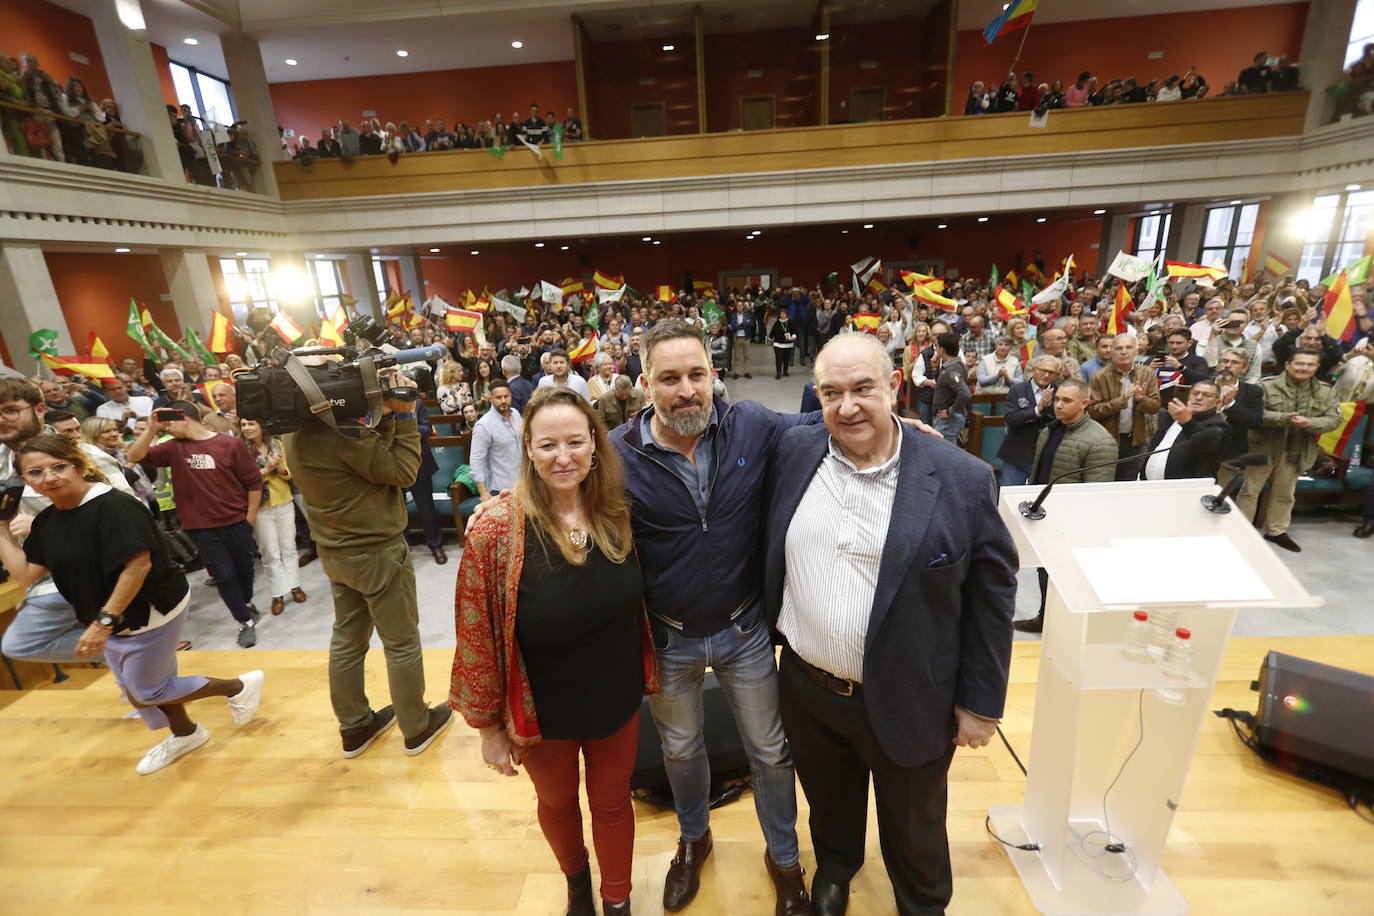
(724, 750)
(1316, 717)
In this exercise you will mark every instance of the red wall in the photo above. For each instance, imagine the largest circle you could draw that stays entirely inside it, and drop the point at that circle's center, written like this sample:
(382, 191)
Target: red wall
(470, 95)
(1220, 42)
(613, 71)
(789, 64)
(49, 32)
(164, 74)
(94, 291)
(805, 256)
(914, 80)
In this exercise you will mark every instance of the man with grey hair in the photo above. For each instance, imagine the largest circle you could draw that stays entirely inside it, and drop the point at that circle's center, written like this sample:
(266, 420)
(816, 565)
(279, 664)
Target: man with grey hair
(1029, 408)
(886, 556)
(1125, 400)
(622, 402)
(520, 387)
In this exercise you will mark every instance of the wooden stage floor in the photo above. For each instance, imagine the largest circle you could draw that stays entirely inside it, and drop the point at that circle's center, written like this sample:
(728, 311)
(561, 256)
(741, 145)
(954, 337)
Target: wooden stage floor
(269, 818)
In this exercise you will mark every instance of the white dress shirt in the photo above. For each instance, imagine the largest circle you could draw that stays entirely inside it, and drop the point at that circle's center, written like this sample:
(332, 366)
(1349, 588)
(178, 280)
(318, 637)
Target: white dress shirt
(575, 382)
(834, 549)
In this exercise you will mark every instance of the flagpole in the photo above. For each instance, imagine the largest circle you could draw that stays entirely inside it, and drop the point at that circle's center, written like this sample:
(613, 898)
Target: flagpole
(1021, 46)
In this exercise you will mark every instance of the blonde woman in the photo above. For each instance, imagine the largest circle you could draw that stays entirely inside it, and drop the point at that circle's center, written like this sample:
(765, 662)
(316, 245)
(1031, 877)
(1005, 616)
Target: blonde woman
(453, 390)
(275, 526)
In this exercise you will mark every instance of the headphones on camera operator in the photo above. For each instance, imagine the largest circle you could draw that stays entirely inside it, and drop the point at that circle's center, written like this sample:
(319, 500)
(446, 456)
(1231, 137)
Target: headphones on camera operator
(284, 391)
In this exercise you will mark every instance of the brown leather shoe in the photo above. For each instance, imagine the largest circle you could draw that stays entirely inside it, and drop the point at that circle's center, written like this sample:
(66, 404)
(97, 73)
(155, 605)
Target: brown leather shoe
(790, 884)
(306, 557)
(298, 594)
(278, 605)
(684, 872)
(439, 556)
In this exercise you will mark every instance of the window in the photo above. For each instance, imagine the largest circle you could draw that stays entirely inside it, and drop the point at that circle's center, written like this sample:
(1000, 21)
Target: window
(328, 286)
(379, 277)
(1361, 31)
(1152, 235)
(1337, 227)
(1227, 235)
(246, 281)
(210, 98)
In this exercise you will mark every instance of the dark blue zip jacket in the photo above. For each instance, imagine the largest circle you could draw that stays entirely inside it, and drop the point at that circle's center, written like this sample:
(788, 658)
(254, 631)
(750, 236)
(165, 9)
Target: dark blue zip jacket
(699, 570)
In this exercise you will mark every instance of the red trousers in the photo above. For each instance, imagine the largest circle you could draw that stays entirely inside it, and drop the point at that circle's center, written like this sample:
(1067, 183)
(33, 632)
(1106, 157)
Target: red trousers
(553, 767)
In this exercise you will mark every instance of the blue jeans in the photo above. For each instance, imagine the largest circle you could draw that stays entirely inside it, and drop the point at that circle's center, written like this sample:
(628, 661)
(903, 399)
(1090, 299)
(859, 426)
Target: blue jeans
(1012, 476)
(45, 630)
(742, 657)
(950, 426)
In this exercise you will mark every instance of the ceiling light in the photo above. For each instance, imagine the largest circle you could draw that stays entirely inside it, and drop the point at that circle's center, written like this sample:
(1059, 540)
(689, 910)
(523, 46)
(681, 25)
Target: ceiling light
(844, 232)
(1234, 202)
(670, 47)
(1041, 219)
(434, 251)
(563, 248)
(474, 251)
(517, 45)
(538, 244)
(1352, 187)
(647, 238)
(1005, 7)
(402, 52)
(291, 62)
(190, 41)
(943, 226)
(121, 251)
(240, 254)
(748, 238)
(658, 242)
(822, 36)
(757, 232)
(1098, 212)
(868, 225)
(982, 219)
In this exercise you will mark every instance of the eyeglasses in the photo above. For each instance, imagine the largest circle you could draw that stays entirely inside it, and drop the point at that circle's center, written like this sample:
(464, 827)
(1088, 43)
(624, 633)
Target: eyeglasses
(34, 475)
(12, 413)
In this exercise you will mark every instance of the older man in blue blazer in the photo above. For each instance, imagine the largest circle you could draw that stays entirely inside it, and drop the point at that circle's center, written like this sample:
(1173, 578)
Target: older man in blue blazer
(891, 579)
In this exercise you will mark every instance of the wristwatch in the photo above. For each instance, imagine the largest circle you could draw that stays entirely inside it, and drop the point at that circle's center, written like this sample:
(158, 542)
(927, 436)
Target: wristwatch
(109, 621)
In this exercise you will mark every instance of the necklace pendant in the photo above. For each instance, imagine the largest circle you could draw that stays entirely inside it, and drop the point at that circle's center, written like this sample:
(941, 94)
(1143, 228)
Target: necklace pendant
(578, 537)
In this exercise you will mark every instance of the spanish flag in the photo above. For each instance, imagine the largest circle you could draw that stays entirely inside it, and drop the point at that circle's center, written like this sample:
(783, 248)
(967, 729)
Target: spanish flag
(218, 341)
(1008, 306)
(1016, 15)
(413, 321)
(469, 300)
(340, 317)
(1028, 350)
(483, 303)
(702, 286)
(1339, 309)
(570, 286)
(930, 297)
(1335, 441)
(1277, 265)
(461, 320)
(96, 348)
(1122, 305)
(914, 279)
(207, 389)
(1177, 269)
(876, 285)
(286, 329)
(867, 321)
(1033, 270)
(86, 365)
(606, 281)
(664, 293)
(1011, 280)
(583, 351)
(330, 335)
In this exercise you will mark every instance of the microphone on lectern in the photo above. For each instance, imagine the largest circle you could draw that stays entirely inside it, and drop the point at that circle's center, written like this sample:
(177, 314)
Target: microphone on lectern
(1034, 512)
(1217, 503)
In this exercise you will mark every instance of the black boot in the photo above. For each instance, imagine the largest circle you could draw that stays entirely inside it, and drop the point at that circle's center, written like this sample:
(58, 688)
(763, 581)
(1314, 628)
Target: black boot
(616, 909)
(580, 899)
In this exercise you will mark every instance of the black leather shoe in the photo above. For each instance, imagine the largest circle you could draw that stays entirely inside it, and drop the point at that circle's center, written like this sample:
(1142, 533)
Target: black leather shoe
(684, 872)
(1284, 541)
(1032, 625)
(790, 887)
(580, 899)
(439, 556)
(829, 898)
(616, 909)
(1365, 530)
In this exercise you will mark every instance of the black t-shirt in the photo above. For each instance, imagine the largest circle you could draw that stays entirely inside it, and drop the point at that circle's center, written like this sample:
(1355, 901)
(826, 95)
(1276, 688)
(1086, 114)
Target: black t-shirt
(1254, 79)
(86, 548)
(578, 632)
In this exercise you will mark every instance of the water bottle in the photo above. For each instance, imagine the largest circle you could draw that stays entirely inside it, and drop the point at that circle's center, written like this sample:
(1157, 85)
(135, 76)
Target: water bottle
(1163, 622)
(1135, 642)
(1178, 664)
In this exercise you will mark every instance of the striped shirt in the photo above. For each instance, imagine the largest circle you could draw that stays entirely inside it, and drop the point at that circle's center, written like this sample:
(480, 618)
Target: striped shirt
(834, 548)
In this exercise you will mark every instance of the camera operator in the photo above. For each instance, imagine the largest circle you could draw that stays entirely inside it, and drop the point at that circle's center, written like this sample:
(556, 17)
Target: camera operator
(353, 483)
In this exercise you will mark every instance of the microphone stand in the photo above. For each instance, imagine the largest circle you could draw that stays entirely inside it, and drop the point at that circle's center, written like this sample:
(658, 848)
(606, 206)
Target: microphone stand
(1033, 510)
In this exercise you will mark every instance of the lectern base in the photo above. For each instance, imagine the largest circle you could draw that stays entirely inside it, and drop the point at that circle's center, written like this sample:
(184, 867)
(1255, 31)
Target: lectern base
(1085, 891)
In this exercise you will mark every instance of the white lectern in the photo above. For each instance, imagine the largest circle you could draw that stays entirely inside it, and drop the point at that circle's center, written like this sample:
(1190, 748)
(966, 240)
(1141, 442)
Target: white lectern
(1112, 549)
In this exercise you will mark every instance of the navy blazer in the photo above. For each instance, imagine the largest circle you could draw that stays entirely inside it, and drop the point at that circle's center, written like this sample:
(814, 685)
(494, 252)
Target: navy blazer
(940, 630)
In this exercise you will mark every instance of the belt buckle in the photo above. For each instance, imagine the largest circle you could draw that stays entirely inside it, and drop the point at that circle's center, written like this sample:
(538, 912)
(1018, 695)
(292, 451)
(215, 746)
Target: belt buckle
(848, 687)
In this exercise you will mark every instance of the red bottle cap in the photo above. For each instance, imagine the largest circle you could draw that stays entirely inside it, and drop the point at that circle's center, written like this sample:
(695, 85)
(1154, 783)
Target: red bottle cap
(1182, 633)
(1141, 615)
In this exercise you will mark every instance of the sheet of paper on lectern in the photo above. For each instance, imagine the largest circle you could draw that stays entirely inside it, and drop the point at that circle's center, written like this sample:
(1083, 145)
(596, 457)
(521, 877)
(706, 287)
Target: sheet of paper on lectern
(1208, 570)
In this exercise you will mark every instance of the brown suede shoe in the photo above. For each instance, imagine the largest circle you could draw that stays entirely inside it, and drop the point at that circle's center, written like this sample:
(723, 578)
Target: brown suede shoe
(298, 594)
(790, 883)
(684, 872)
(278, 605)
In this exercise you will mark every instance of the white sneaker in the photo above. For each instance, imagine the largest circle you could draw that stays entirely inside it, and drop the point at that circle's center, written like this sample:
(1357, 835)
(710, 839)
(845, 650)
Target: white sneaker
(132, 714)
(170, 748)
(244, 704)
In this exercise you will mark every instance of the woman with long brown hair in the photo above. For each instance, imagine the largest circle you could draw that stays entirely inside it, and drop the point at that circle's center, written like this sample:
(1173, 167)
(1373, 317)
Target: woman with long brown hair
(554, 652)
(106, 558)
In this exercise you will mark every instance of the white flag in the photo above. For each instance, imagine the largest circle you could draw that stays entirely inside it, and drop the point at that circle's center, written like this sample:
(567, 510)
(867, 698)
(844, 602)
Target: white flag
(552, 295)
(609, 295)
(1052, 293)
(864, 271)
(509, 308)
(531, 147)
(522, 292)
(436, 306)
(1128, 267)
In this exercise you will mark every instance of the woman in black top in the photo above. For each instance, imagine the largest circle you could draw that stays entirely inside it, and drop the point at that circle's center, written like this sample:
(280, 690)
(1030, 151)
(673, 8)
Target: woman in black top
(106, 558)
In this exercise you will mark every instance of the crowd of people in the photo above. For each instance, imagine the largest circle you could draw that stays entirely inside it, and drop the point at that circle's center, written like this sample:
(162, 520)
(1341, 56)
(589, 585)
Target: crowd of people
(1024, 92)
(60, 121)
(372, 137)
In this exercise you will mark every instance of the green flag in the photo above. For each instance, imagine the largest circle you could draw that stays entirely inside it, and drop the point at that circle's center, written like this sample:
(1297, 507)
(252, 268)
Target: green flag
(1356, 272)
(711, 312)
(1027, 290)
(1152, 284)
(992, 278)
(44, 340)
(195, 346)
(593, 316)
(135, 331)
(158, 337)
(631, 291)
(558, 141)
(498, 151)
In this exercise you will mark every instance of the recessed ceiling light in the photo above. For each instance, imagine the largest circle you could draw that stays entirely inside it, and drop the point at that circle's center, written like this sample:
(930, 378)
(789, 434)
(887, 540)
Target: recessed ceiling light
(1005, 7)
(868, 225)
(562, 247)
(647, 238)
(982, 219)
(434, 251)
(1041, 219)
(1098, 212)
(1352, 187)
(658, 241)
(844, 232)
(240, 254)
(190, 41)
(1234, 202)
(474, 251)
(670, 47)
(121, 251)
(517, 45)
(538, 244)
(822, 36)
(291, 62)
(943, 226)
(402, 52)
(748, 238)
(757, 232)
